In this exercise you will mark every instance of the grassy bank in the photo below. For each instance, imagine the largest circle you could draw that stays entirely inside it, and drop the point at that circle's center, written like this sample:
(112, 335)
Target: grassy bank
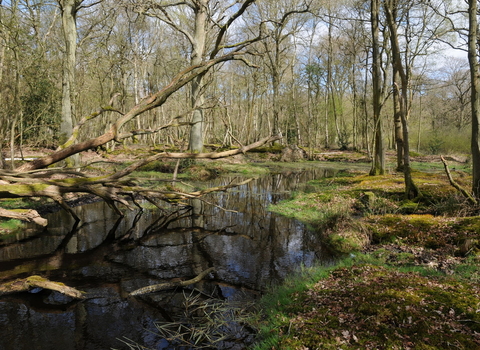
(409, 278)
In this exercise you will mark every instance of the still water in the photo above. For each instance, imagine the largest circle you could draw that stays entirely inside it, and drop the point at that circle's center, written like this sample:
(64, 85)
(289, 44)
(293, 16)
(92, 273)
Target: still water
(108, 257)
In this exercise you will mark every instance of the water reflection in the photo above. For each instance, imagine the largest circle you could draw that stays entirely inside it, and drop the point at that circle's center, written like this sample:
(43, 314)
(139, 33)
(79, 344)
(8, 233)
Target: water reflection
(108, 257)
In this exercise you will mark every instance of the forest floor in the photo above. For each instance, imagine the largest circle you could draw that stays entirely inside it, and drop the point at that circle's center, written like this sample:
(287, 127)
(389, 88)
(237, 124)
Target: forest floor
(408, 271)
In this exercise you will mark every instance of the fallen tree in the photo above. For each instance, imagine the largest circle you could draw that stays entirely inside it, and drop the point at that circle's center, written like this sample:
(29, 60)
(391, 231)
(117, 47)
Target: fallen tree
(111, 188)
(169, 285)
(37, 179)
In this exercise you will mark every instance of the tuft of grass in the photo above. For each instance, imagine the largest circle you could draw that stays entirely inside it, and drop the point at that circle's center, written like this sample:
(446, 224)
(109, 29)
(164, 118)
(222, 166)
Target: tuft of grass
(206, 323)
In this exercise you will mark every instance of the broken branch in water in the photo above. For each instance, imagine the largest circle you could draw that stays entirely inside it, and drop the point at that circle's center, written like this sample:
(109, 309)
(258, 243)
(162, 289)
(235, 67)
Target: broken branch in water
(168, 285)
(29, 283)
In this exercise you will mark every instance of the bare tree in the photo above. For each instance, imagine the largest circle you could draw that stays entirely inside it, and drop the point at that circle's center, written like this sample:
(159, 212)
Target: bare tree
(402, 94)
(473, 47)
(23, 183)
(282, 20)
(204, 24)
(378, 164)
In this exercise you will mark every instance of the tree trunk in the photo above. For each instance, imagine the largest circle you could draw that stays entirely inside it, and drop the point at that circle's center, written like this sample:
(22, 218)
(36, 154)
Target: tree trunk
(411, 190)
(378, 165)
(397, 121)
(70, 36)
(69, 25)
(197, 89)
(475, 98)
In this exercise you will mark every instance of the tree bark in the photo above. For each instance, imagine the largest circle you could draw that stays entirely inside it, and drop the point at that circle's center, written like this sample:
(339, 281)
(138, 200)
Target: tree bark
(25, 215)
(378, 165)
(69, 26)
(475, 89)
(397, 121)
(411, 190)
(467, 195)
(197, 89)
(29, 283)
(169, 285)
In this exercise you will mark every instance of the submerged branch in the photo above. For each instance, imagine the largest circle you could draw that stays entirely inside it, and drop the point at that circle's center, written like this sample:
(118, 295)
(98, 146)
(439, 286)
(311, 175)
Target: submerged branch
(169, 285)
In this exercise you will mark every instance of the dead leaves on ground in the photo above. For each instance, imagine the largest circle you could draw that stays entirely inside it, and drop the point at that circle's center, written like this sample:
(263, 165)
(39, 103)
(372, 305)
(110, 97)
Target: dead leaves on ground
(372, 307)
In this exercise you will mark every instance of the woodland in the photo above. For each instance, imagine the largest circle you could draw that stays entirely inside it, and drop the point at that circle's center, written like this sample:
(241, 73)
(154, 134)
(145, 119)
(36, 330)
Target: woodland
(172, 81)
(210, 79)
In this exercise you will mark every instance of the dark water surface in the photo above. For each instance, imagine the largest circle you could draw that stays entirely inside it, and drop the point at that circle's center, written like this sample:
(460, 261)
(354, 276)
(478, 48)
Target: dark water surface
(108, 257)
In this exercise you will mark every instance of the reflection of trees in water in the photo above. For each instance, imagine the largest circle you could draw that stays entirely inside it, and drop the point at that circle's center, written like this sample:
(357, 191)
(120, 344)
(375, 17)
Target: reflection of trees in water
(107, 256)
(238, 240)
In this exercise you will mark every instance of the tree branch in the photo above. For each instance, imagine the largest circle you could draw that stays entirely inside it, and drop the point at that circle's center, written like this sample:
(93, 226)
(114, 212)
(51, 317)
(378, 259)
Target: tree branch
(464, 192)
(29, 283)
(168, 285)
(153, 101)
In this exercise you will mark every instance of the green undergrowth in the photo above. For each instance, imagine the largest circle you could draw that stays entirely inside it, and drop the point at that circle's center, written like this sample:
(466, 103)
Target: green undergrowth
(353, 209)
(364, 303)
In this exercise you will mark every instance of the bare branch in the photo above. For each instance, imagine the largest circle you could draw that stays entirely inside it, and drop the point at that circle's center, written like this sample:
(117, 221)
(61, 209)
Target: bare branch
(169, 285)
(153, 101)
(224, 28)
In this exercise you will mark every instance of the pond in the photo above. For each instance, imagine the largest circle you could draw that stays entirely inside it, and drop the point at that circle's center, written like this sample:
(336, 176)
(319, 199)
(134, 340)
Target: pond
(108, 257)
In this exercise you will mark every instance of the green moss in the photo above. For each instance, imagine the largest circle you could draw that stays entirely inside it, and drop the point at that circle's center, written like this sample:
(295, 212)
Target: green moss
(413, 228)
(467, 225)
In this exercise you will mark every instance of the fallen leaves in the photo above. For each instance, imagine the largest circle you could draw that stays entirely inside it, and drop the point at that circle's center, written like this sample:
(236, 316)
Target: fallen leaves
(372, 307)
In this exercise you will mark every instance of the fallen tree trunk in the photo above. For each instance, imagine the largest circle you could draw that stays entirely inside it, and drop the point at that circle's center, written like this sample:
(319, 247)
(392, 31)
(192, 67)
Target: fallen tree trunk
(109, 187)
(29, 283)
(169, 285)
(114, 133)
